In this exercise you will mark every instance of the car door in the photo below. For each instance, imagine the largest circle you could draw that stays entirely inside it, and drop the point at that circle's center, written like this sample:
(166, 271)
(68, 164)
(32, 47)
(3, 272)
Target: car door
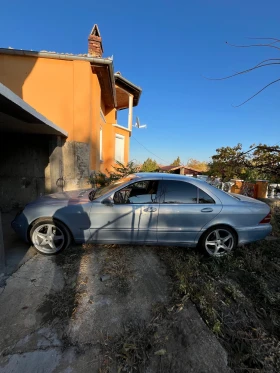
(184, 210)
(131, 217)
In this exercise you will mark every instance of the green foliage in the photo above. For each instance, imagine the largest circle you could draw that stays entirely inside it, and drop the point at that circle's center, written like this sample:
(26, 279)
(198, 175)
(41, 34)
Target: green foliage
(177, 162)
(228, 163)
(98, 180)
(122, 170)
(149, 166)
(262, 162)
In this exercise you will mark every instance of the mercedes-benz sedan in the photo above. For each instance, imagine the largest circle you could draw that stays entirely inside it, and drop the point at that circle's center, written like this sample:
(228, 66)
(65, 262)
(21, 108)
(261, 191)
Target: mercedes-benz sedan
(148, 209)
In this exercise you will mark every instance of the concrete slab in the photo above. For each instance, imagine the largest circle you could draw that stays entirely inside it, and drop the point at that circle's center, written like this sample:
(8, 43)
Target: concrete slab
(17, 252)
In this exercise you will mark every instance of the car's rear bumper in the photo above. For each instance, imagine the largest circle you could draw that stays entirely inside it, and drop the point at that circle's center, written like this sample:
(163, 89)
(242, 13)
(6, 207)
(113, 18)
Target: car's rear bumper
(251, 234)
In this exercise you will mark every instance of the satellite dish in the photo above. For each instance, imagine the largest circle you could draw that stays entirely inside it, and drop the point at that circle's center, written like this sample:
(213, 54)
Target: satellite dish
(138, 125)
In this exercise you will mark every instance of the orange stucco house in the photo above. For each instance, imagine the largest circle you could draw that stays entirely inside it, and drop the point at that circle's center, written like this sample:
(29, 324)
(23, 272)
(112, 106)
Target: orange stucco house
(78, 97)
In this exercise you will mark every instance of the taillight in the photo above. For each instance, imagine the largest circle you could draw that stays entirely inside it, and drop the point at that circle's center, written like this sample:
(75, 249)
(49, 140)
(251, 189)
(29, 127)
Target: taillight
(267, 219)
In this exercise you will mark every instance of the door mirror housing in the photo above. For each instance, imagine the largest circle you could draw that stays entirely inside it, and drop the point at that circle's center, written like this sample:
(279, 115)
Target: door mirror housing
(108, 201)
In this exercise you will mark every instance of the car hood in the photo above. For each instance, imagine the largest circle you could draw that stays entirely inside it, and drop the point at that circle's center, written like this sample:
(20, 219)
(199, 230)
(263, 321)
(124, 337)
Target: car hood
(63, 198)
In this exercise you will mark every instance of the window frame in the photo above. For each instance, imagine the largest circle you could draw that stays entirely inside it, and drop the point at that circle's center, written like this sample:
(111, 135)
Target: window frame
(184, 203)
(128, 188)
(122, 137)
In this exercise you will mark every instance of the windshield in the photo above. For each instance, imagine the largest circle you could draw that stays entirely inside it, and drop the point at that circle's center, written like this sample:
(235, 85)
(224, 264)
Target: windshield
(101, 191)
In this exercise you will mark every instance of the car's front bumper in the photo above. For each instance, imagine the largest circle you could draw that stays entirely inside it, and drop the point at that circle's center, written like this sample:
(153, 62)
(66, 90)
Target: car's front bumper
(251, 234)
(20, 226)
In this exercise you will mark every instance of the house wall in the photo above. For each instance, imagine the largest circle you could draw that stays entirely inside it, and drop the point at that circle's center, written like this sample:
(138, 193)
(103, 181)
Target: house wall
(109, 133)
(68, 94)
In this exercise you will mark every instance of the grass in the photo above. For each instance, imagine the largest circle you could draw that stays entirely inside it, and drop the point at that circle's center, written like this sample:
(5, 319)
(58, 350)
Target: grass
(116, 265)
(129, 350)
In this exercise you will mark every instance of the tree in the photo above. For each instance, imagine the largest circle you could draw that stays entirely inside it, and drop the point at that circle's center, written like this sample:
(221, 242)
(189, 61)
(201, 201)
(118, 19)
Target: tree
(259, 162)
(122, 170)
(177, 162)
(271, 43)
(227, 163)
(149, 166)
(197, 165)
(100, 179)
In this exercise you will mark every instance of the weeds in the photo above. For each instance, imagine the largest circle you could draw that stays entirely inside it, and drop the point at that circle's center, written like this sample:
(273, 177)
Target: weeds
(238, 298)
(130, 350)
(117, 266)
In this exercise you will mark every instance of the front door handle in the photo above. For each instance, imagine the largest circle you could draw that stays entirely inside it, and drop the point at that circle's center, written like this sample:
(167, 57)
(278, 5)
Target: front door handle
(150, 209)
(207, 209)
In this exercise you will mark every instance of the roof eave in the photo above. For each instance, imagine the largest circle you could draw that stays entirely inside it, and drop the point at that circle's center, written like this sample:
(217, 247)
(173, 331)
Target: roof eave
(129, 87)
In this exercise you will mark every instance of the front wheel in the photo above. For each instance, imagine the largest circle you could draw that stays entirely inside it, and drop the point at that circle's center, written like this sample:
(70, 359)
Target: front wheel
(49, 236)
(218, 241)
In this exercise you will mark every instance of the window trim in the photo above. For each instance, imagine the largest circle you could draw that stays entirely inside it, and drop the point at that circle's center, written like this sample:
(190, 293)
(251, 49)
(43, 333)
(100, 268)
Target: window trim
(119, 136)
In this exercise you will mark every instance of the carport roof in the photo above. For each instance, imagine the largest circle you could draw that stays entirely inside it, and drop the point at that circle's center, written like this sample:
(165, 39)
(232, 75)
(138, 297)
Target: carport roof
(18, 116)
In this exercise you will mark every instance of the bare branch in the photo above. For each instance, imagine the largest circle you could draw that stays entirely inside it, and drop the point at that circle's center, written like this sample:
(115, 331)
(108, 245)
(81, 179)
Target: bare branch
(250, 98)
(269, 148)
(275, 39)
(253, 45)
(245, 71)
(269, 59)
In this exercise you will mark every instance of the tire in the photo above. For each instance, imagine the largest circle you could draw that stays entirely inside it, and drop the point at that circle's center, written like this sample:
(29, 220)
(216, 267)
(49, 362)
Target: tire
(218, 241)
(49, 236)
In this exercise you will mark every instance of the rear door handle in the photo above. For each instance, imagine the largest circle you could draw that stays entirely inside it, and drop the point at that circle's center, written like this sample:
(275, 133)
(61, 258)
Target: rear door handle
(150, 209)
(207, 209)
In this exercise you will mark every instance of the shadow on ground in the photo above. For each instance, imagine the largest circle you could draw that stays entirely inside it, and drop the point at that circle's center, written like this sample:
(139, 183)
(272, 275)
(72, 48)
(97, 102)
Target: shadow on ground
(17, 252)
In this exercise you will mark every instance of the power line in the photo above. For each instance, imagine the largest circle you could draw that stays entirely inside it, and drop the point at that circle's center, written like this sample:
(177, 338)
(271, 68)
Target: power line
(149, 150)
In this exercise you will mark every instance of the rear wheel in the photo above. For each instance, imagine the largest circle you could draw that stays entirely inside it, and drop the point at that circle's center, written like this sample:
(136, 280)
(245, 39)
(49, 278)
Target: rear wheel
(49, 236)
(218, 241)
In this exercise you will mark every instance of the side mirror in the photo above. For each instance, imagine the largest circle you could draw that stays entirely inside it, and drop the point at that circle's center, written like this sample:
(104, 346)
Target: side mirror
(108, 201)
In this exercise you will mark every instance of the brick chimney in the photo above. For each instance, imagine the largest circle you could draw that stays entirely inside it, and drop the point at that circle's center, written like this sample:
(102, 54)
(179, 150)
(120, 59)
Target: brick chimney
(95, 48)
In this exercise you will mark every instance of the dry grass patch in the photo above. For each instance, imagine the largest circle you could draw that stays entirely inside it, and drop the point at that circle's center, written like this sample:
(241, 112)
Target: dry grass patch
(237, 296)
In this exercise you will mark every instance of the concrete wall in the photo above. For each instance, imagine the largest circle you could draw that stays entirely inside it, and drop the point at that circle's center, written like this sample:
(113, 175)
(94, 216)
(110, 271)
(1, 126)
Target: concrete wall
(23, 160)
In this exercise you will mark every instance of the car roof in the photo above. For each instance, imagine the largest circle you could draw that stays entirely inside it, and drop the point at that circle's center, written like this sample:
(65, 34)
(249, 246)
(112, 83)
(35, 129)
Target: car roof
(162, 175)
(221, 195)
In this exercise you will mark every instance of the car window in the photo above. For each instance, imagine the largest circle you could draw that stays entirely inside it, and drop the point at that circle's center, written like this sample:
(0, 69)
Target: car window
(140, 192)
(204, 197)
(94, 194)
(172, 191)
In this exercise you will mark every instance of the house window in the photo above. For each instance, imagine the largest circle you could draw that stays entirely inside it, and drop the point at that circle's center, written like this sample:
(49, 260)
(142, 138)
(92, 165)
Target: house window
(119, 148)
(100, 144)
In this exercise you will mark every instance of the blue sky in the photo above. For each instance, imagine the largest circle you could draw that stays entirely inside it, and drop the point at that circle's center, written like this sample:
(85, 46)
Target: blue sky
(166, 47)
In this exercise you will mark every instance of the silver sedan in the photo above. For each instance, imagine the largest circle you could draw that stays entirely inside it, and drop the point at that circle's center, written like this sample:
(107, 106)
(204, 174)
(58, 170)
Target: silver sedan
(145, 208)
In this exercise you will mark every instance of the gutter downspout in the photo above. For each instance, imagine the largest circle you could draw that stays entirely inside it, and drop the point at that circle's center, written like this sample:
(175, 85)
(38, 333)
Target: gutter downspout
(61, 56)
